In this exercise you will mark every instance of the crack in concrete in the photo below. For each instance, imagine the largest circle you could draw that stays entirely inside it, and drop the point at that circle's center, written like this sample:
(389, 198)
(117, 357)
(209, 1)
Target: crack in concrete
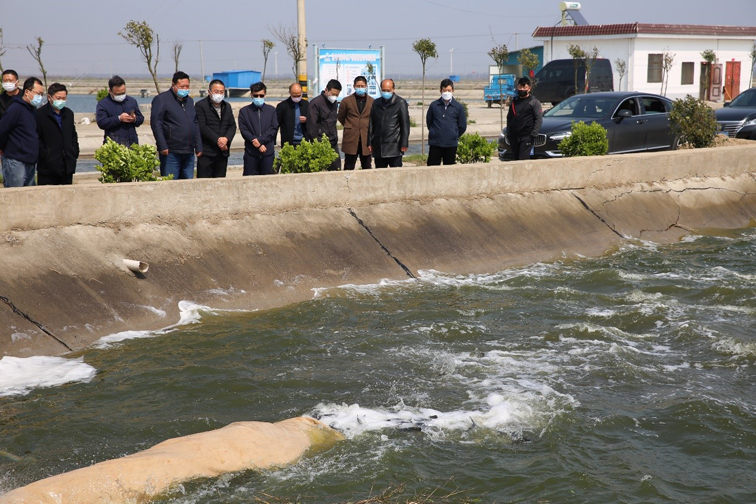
(388, 252)
(585, 205)
(27, 317)
(678, 191)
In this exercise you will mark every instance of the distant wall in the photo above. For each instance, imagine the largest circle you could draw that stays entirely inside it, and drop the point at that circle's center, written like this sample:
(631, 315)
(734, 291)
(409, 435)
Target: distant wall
(263, 242)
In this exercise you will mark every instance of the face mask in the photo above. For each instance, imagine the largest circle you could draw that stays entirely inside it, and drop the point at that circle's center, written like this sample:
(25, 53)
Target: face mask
(259, 102)
(522, 93)
(217, 98)
(182, 93)
(387, 94)
(59, 104)
(361, 91)
(297, 99)
(447, 95)
(119, 97)
(36, 100)
(332, 98)
(9, 86)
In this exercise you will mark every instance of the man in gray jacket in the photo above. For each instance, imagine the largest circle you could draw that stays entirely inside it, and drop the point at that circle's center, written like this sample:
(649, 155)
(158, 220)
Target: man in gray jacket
(388, 130)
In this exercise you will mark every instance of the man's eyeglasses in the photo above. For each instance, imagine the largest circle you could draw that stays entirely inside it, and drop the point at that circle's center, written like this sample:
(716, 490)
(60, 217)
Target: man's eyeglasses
(258, 95)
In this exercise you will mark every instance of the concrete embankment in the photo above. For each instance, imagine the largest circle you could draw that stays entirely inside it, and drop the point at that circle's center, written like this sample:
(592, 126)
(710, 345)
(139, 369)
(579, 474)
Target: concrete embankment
(263, 242)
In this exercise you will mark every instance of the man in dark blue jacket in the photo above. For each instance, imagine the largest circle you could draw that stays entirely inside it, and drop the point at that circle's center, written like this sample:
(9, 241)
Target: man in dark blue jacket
(176, 130)
(19, 144)
(447, 121)
(58, 141)
(119, 114)
(258, 125)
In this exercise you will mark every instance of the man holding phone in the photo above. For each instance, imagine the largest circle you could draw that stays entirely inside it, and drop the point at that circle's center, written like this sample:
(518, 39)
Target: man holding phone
(118, 114)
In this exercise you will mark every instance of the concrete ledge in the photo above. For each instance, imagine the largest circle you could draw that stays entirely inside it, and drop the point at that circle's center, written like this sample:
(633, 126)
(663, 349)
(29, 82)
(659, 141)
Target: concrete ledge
(262, 242)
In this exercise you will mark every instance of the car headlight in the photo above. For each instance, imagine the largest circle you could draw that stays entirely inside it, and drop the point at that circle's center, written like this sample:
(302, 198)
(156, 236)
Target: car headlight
(503, 135)
(558, 137)
(752, 122)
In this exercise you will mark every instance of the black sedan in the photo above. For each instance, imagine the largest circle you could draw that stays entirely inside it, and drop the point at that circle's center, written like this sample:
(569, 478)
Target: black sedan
(635, 122)
(738, 118)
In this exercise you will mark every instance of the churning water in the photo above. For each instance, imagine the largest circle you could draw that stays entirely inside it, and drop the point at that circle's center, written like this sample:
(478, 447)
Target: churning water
(626, 378)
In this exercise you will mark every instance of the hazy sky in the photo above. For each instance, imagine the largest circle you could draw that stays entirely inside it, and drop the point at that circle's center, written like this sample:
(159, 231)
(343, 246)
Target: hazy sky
(81, 35)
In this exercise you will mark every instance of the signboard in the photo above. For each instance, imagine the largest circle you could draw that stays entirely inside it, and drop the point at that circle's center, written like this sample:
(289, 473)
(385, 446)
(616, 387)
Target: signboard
(346, 64)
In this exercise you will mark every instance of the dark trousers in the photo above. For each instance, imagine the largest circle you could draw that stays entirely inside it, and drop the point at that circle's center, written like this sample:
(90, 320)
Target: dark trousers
(521, 147)
(254, 165)
(53, 178)
(350, 160)
(385, 162)
(438, 154)
(336, 165)
(212, 167)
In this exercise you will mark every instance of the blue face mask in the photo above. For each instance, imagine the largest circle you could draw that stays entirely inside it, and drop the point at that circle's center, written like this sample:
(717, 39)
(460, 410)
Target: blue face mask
(36, 100)
(360, 91)
(59, 104)
(182, 93)
(259, 102)
(387, 94)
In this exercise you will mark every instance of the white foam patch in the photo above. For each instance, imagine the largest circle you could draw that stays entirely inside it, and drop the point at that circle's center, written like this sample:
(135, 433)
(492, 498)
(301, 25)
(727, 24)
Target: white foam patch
(20, 375)
(736, 348)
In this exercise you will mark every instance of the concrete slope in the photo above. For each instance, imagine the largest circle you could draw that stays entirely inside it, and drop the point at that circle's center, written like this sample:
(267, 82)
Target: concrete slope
(263, 242)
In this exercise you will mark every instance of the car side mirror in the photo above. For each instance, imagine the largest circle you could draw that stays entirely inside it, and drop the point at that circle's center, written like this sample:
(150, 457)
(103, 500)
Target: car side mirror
(726, 104)
(624, 114)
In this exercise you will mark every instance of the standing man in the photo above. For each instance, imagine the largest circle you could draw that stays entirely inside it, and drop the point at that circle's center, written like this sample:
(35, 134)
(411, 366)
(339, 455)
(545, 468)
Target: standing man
(388, 131)
(10, 86)
(176, 130)
(58, 142)
(217, 126)
(19, 143)
(292, 116)
(447, 121)
(322, 116)
(523, 120)
(258, 125)
(119, 114)
(354, 115)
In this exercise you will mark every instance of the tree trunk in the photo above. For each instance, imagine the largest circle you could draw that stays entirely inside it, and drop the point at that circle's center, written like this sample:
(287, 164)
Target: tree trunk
(155, 80)
(422, 117)
(501, 104)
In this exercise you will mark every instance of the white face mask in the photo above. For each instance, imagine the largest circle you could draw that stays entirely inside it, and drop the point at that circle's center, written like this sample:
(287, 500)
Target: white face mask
(217, 98)
(447, 95)
(119, 97)
(10, 86)
(332, 98)
(297, 99)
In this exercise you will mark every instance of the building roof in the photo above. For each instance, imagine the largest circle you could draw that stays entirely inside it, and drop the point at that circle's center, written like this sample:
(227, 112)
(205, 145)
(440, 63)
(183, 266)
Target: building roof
(644, 28)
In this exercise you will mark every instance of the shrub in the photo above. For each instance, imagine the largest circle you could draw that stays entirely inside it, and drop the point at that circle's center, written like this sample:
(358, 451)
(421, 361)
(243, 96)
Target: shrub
(474, 149)
(102, 93)
(693, 122)
(585, 140)
(309, 157)
(119, 163)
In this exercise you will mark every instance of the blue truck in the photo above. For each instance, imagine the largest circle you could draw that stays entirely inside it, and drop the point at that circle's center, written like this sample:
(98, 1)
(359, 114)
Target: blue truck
(494, 93)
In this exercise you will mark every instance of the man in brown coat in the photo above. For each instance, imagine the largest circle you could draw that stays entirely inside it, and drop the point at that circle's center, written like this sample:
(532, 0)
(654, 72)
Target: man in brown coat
(354, 115)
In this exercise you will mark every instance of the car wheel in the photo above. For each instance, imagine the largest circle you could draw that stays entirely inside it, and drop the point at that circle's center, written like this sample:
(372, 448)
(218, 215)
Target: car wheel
(675, 143)
(489, 103)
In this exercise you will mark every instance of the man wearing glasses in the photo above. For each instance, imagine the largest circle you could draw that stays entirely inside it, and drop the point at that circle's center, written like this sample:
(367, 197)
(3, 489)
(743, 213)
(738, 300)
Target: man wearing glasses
(322, 116)
(19, 143)
(217, 126)
(118, 114)
(258, 125)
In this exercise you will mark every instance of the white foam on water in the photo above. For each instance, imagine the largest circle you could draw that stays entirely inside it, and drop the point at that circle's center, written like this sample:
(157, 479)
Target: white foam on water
(20, 375)
(735, 348)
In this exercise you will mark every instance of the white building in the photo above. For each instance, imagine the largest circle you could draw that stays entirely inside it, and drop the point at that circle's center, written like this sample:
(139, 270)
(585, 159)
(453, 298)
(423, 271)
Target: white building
(642, 47)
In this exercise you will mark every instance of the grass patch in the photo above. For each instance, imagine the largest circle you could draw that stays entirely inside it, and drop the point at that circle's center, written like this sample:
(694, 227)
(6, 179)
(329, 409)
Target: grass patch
(418, 159)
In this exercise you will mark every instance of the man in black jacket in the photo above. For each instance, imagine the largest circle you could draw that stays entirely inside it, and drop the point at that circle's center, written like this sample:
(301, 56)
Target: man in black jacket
(217, 127)
(173, 120)
(322, 116)
(258, 125)
(19, 143)
(388, 130)
(292, 117)
(58, 141)
(523, 120)
(10, 86)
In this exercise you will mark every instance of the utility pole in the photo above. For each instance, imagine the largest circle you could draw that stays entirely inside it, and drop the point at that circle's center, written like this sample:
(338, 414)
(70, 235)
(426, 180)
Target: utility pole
(302, 40)
(276, 55)
(451, 61)
(202, 65)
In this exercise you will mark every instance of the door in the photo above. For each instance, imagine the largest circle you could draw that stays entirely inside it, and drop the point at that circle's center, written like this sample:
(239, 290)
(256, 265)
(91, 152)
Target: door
(629, 133)
(732, 80)
(658, 132)
(704, 81)
(715, 91)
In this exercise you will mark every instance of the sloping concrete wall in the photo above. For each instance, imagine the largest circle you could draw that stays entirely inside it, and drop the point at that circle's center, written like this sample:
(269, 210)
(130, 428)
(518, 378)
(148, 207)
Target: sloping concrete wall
(263, 242)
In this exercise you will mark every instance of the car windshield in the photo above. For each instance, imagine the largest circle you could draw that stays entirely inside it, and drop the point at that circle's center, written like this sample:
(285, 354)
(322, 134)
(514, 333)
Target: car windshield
(745, 99)
(584, 106)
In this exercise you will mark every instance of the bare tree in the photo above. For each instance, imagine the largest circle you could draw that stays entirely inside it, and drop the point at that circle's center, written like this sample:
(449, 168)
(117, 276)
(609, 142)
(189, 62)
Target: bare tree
(590, 60)
(425, 49)
(3, 50)
(289, 37)
(621, 70)
(267, 46)
(577, 54)
(36, 53)
(141, 36)
(500, 55)
(667, 61)
(177, 47)
(753, 59)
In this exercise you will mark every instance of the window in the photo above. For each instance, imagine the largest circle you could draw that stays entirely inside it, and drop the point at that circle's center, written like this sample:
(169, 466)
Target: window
(654, 105)
(654, 68)
(629, 104)
(687, 73)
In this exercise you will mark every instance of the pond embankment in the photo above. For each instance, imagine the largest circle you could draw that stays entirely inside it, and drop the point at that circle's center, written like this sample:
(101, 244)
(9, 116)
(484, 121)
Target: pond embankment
(262, 242)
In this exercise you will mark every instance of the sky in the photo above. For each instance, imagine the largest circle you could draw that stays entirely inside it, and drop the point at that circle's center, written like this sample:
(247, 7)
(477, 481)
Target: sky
(81, 36)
